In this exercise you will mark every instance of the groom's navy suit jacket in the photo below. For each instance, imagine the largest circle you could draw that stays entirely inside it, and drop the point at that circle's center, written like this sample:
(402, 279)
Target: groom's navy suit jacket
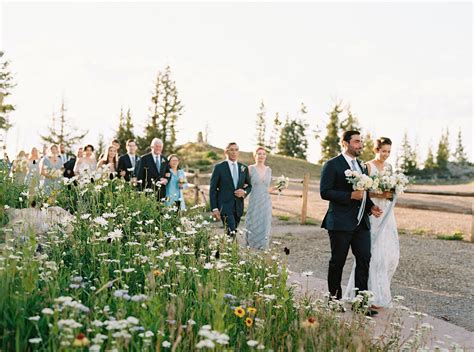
(222, 189)
(334, 187)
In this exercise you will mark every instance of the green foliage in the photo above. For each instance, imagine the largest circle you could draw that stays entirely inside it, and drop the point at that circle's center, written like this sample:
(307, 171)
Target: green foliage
(368, 149)
(293, 141)
(407, 162)
(261, 125)
(6, 86)
(330, 146)
(442, 155)
(455, 236)
(460, 155)
(165, 110)
(275, 133)
(429, 163)
(136, 272)
(350, 123)
(100, 149)
(125, 130)
(63, 133)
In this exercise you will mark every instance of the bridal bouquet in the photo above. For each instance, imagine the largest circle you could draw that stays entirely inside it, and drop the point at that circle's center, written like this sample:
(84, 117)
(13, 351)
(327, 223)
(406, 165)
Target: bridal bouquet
(54, 173)
(20, 166)
(395, 182)
(361, 182)
(282, 183)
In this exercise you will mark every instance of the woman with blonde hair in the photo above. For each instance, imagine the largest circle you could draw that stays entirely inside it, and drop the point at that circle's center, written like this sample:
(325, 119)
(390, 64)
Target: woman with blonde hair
(20, 167)
(258, 220)
(33, 176)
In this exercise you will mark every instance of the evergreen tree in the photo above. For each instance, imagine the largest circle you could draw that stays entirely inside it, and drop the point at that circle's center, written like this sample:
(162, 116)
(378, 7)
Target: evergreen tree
(442, 155)
(293, 141)
(330, 146)
(350, 123)
(100, 146)
(261, 125)
(6, 86)
(276, 130)
(459, 154)
(368, 149)
(125, 130)
(408, 160)
(429, 163)
(63, 134)
(165, 111)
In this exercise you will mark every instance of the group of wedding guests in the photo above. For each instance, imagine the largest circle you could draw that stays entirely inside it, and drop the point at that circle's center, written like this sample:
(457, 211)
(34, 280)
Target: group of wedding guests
(152, 170)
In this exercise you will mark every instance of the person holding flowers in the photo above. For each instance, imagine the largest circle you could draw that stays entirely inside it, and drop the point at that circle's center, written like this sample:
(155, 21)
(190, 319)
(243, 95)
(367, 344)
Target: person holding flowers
(176, 184)
(347, 218)
(20, 167)
(385, 249)
(258, 221)
(51, 169)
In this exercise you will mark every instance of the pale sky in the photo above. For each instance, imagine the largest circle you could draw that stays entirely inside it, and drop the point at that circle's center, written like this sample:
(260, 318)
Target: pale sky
(401, 66)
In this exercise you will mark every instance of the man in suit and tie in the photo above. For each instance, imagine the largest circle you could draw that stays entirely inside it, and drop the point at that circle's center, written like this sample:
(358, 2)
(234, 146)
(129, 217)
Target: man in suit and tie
(62, 153)
(127, 163)
(347, 218)
(153, 170)
(230, 184)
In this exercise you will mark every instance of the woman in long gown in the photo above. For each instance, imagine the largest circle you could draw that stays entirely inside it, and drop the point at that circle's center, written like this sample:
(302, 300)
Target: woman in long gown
(33, 176)
(385, 249)
(258, 220)
(20, 167)
(87, 163)
(50, 168)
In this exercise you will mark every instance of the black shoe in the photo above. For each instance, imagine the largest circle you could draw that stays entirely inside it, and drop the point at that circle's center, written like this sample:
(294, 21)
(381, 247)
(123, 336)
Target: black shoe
(371, 313)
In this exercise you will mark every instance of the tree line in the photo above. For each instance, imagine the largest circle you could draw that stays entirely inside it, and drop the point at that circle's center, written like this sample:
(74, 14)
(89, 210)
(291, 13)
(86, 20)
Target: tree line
(288, 136)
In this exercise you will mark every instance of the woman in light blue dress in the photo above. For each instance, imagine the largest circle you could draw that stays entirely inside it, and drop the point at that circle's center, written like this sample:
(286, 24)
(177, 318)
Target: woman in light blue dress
(258, 221)
(176, 184)
(33, 176)
(49, 167)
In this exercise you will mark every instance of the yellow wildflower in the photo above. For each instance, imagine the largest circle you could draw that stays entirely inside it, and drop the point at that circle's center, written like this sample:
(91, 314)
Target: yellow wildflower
(248, 322)
(239, 311)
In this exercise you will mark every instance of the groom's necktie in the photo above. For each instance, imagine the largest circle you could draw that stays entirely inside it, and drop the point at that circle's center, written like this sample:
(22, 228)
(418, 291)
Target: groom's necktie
(235, 175)
(356, 167)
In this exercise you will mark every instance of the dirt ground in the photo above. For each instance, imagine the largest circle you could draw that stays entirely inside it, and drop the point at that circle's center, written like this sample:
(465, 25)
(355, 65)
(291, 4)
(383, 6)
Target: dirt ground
(434, 276)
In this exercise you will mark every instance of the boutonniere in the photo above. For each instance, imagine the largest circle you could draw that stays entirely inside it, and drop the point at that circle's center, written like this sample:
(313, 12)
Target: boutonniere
(242, 168)
(364, 167)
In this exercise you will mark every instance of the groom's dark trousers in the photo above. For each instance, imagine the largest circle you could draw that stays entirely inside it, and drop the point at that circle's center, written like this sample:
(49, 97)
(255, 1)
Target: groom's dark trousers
(342, 225)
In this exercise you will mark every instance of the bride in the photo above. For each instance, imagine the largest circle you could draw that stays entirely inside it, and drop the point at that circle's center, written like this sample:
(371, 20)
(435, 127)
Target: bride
(385, 250)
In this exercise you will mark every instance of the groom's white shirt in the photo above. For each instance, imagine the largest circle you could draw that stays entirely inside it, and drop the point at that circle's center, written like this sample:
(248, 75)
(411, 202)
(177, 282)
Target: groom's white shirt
(349, 162)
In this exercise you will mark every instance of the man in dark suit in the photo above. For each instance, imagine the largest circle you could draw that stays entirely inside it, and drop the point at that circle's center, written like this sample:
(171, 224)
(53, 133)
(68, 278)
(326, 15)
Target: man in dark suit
(153, 170)
(230, 184)
(69, 165)
(127, 163)
(347, 218)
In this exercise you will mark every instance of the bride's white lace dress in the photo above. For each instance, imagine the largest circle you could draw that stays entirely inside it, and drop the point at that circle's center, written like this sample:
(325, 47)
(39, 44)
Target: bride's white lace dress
(385, 252)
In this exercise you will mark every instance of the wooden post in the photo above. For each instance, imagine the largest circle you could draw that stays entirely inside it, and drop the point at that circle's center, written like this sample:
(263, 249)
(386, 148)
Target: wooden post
(196, 187)
(304, 205)
(472, 224)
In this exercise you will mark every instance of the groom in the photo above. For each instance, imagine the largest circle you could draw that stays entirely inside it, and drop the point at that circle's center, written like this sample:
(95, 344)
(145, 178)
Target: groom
(230, 184)
(347, 218)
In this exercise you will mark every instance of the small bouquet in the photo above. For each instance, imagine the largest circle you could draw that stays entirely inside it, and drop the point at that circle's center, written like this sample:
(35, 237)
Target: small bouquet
(20, 166)
(281, 183)
(54, 173)
(182, 180)
(360, 182)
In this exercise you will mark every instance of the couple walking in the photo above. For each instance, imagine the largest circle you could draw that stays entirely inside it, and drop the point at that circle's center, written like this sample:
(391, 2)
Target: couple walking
(231, 183)
(362, 221)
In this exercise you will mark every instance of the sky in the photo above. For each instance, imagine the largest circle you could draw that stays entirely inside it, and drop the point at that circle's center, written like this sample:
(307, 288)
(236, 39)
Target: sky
(402, 67)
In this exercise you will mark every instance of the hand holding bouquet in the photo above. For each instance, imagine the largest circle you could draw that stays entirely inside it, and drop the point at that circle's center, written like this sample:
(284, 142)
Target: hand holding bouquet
(281, 183)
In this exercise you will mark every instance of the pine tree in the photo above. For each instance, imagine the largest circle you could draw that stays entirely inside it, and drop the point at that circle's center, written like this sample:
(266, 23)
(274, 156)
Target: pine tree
(125, 130)
(407, 162)
(63, 134)
(165, 111)
(293, 141)
(429, 163)
(100, 146)
(350, 123)
(6, 86)
(276, 130)
(330, 146)
(261, 125)
(442, 155)
(459, 154)
(368, 149)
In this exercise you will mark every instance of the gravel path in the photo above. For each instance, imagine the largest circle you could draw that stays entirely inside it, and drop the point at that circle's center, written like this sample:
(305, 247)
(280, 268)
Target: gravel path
(434, 276)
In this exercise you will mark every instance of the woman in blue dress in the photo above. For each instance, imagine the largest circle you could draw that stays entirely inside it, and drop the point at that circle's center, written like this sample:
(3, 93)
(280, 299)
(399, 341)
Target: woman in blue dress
(176, 184)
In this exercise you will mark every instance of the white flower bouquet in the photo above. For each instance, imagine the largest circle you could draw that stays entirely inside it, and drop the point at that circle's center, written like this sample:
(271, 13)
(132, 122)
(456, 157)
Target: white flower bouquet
(360, 182)
(390, 183)
(282, 183)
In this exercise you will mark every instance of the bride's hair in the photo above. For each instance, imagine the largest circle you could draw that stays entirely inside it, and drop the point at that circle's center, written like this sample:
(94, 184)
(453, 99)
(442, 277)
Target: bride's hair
(380, 142)
(257, 149)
